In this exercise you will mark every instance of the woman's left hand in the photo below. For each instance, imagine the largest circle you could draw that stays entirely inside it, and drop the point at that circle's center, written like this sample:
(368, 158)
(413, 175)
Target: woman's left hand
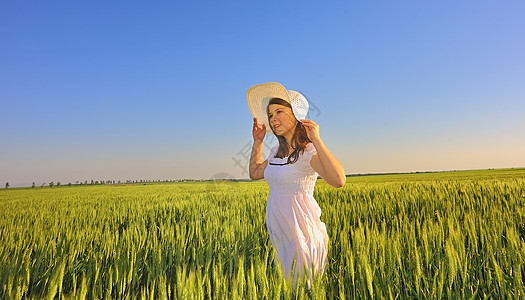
(312, 129)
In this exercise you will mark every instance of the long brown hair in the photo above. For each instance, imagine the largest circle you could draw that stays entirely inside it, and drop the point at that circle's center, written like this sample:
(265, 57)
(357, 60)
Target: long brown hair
(299, 140)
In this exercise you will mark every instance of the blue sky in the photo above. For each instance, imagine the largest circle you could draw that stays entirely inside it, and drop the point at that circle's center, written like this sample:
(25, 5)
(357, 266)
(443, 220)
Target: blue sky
(136, 90)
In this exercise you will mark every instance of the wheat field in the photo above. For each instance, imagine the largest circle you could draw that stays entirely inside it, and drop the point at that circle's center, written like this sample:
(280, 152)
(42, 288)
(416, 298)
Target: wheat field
(429, 235)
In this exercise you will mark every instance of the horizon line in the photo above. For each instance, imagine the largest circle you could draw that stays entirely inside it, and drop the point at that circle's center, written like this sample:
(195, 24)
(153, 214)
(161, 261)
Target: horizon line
(145, 181)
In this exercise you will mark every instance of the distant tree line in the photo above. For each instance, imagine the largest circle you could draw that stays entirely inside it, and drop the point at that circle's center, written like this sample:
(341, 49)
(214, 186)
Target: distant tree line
(102, 182)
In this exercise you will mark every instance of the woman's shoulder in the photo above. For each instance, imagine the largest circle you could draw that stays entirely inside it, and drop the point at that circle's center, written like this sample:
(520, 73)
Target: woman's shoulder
(273, 150)
(309, 151)
(306, 156)
(310, 147)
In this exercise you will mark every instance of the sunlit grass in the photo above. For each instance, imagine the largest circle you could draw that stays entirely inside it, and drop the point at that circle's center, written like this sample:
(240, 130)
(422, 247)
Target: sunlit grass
(458, 234)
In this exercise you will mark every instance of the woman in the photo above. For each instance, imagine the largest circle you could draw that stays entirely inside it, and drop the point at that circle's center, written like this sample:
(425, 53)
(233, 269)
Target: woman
(291, 170)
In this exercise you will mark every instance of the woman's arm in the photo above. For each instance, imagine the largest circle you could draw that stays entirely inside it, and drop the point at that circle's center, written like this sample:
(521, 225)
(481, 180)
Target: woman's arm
(257, 166)
(324, 163)
(327, 166)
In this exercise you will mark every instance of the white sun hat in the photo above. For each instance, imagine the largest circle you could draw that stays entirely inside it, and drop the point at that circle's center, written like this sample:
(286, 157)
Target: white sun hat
(259, 96)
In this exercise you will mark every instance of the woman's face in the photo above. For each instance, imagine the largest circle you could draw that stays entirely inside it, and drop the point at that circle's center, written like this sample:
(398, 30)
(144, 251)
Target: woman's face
(281, 119)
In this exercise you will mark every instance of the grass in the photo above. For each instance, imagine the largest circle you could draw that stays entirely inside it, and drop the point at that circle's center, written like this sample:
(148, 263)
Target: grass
(425, 235)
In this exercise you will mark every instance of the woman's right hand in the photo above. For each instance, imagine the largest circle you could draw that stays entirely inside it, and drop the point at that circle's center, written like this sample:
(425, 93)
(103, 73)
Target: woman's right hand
(258, 132)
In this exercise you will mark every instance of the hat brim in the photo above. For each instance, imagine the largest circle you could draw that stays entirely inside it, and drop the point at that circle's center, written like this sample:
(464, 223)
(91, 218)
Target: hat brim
(258, 98)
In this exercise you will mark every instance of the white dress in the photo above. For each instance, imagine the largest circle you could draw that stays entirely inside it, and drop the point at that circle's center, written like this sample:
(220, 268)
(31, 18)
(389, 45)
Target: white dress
(292, 213)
